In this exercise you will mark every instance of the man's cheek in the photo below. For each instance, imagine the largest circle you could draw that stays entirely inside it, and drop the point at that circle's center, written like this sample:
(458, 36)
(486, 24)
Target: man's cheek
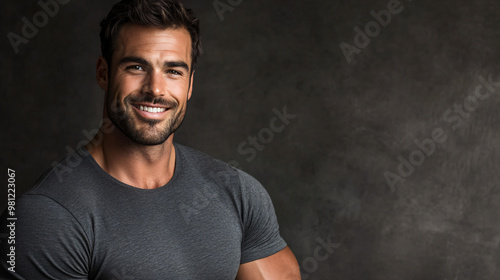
(117, 108)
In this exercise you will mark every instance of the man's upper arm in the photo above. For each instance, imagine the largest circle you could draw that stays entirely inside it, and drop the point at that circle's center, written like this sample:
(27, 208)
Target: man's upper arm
(281, 265)
(261, 237)
(49, 242)
(264, 252)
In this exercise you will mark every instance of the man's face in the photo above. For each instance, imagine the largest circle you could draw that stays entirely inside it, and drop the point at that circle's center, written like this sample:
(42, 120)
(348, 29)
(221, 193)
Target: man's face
(149, 82)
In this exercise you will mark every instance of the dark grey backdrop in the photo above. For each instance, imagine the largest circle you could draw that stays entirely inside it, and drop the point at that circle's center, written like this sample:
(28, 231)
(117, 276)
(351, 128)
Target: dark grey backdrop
(354, 122)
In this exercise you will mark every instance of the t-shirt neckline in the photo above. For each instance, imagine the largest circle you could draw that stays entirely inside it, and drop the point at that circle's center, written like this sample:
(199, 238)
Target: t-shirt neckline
(107, 176)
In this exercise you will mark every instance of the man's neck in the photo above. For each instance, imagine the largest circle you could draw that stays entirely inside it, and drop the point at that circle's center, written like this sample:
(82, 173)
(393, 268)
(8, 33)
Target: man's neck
(140, 166)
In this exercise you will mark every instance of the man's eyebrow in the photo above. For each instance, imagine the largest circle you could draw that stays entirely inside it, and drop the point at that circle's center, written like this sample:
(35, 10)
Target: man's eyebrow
(134, 59)
(173, 64)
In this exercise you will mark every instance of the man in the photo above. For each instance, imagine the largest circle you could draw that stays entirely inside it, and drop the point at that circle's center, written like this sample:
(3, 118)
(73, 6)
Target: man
(137, 205)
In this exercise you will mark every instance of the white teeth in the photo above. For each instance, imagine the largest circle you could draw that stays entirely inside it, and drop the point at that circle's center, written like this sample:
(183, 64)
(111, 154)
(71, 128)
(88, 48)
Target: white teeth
(151, 109)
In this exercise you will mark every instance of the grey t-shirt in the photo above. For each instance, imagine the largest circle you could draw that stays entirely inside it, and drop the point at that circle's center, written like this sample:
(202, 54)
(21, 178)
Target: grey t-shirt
(78, 222)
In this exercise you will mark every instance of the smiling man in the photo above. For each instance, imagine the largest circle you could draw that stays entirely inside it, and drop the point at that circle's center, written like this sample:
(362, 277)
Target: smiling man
(138, 205)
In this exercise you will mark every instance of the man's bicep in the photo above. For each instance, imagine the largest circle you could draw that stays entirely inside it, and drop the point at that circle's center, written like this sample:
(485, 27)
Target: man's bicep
(46, 239)
(282, 265)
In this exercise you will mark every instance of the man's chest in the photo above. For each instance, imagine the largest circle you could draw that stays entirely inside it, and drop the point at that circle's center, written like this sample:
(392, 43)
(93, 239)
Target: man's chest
(181, 241)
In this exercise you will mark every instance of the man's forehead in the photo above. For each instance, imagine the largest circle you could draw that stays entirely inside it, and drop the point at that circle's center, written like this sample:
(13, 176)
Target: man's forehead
(135, 38)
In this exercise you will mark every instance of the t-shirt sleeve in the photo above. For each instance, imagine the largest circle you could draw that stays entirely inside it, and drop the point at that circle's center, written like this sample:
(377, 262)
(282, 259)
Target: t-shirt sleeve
(49, 242)
(261, 237)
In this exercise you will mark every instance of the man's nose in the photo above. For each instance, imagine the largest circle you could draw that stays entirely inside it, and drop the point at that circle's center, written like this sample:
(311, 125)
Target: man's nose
(156, 84)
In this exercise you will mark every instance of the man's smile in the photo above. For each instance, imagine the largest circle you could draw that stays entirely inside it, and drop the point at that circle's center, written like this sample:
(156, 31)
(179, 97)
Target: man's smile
(150, 111)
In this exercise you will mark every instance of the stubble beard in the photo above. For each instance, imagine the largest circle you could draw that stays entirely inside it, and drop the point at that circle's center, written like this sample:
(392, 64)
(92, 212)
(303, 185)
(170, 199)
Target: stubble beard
(125, 119)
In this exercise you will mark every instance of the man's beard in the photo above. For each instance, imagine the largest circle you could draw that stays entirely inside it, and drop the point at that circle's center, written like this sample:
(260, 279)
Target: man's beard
(122, 115)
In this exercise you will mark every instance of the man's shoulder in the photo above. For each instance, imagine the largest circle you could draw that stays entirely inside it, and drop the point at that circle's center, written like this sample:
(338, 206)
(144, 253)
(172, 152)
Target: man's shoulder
(224, 173)
(196, 160)
(195, 155)
(63, 179)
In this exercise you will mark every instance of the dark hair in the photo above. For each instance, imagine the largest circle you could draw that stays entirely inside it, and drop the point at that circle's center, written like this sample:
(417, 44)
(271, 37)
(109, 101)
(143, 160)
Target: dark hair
(154, 13)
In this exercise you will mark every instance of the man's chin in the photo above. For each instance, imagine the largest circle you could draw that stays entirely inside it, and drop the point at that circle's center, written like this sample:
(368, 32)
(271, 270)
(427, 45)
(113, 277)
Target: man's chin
(145, 131)
(148, 140)
(146, 134)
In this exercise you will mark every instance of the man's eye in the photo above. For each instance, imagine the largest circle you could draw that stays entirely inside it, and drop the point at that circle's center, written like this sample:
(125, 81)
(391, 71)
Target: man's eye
(135, 67)
(174, 72)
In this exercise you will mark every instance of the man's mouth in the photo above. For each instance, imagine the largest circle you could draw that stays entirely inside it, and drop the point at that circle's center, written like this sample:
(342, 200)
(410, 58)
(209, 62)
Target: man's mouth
(151, 109)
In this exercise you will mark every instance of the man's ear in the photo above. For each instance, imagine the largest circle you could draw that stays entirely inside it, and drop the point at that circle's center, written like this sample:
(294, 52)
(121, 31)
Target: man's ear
(191, 85)
(102, 73)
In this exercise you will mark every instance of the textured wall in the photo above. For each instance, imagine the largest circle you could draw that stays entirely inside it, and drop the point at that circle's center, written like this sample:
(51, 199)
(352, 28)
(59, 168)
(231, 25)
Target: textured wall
(390, 156)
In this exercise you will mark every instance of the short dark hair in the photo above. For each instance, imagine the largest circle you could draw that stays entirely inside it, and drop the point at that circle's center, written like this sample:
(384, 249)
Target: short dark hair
(153, 13)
